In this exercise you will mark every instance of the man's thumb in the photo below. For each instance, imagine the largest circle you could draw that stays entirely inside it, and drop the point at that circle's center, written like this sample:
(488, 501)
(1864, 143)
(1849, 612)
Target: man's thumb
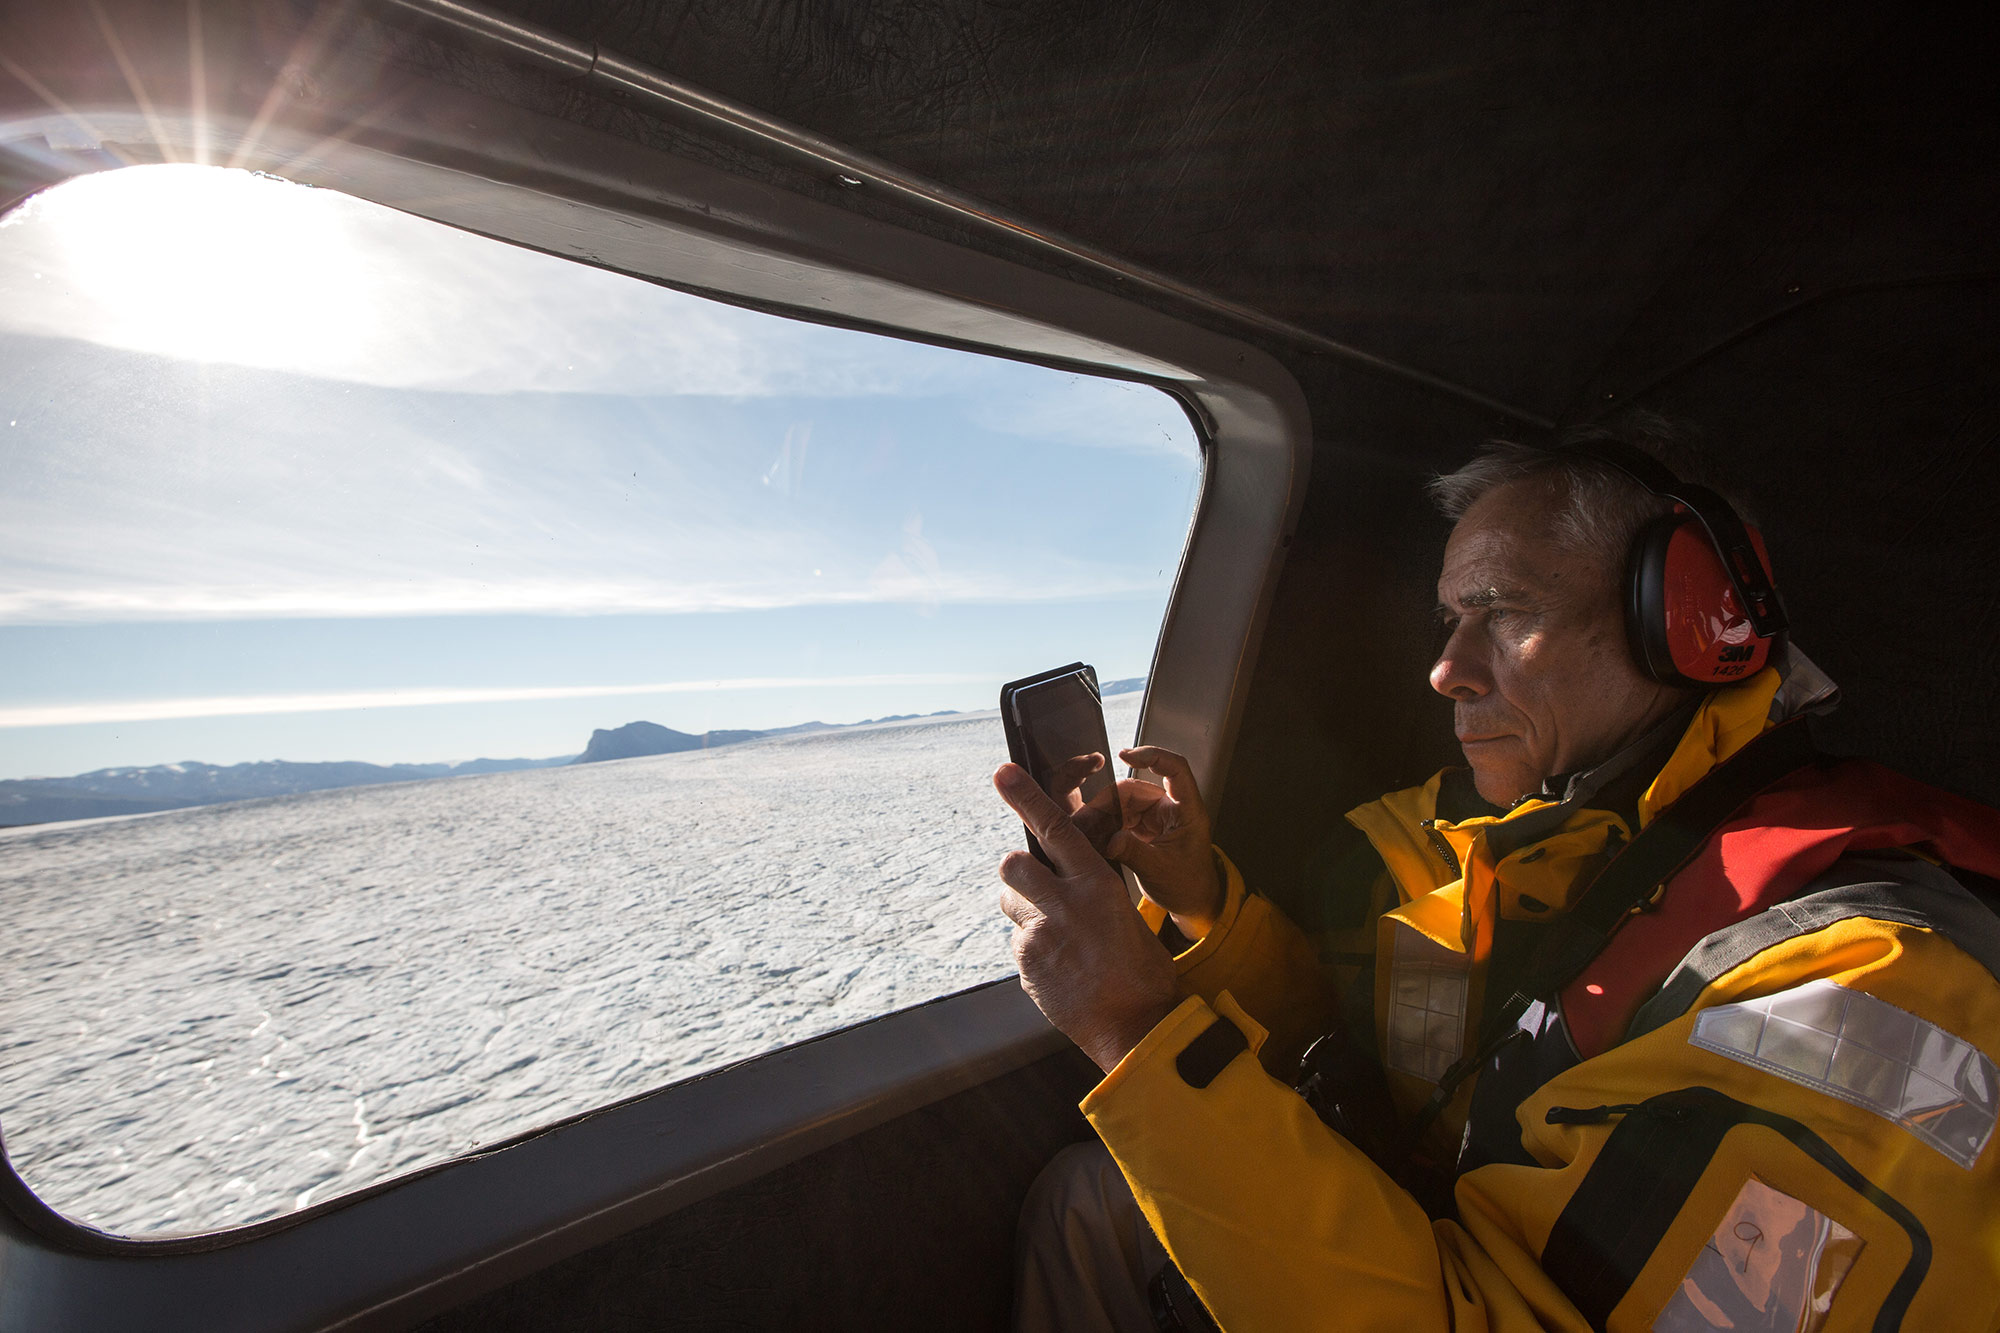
(1148, 860)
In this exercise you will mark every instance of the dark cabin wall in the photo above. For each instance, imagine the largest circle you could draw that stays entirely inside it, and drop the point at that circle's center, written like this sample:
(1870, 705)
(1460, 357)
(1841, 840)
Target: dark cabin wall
(1835, 336)
(1339, 707)
(908, 1226)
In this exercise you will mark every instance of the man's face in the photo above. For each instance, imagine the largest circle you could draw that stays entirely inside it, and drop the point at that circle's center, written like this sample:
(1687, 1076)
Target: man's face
(1535, 662)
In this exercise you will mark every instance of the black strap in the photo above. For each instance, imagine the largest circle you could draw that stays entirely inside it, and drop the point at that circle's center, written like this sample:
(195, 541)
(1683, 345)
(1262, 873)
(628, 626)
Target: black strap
(1632, 1193)
(1570, 942)
(1206, 1056)
(1176, 1307)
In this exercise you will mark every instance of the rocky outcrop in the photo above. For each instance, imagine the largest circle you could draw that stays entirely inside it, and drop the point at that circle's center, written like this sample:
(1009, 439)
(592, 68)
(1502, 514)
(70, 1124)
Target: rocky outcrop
(637, 739)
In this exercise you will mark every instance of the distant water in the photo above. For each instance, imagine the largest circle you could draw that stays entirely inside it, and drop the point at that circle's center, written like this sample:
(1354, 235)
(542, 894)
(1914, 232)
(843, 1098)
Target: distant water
(218, 1015)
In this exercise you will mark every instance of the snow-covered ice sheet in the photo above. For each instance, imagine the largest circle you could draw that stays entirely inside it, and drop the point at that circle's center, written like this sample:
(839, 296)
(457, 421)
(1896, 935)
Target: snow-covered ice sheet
(218, 1015)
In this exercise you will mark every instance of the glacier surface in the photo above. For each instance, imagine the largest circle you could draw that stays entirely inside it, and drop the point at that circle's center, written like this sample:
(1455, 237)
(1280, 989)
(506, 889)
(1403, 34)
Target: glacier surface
(222, 1014)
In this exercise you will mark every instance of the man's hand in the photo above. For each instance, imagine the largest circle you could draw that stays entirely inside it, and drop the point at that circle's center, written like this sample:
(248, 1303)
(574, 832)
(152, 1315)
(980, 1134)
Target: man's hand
(1166, 840)
(1086, 958)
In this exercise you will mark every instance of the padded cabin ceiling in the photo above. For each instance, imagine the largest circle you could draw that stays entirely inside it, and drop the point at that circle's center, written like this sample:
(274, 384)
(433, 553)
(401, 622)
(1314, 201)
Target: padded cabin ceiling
(1487, 193)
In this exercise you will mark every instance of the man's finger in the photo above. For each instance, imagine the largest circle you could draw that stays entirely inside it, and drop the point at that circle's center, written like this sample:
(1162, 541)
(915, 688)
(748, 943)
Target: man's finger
(1049, 822)
(1027, 799)
(1024, 875)
(1071, 773)
(1018, 909)
(1174, 769)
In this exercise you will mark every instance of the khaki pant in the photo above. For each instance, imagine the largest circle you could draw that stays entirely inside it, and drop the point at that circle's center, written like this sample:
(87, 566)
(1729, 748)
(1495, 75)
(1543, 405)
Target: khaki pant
(1084, 1254)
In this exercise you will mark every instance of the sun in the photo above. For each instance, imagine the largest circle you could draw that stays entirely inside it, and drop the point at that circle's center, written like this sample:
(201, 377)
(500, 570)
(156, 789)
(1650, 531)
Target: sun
(212, 264)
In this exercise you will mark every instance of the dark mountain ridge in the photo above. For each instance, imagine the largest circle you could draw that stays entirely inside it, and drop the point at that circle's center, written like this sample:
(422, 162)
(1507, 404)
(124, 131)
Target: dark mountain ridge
(137, 791)
(157, 787)
(273, 777)
(637, 739)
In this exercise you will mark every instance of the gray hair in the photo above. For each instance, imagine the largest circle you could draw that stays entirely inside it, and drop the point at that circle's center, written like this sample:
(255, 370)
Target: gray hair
(1602, 508)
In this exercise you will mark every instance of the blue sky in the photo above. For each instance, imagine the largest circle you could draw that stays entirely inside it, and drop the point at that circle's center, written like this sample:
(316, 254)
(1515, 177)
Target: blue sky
(293, 476)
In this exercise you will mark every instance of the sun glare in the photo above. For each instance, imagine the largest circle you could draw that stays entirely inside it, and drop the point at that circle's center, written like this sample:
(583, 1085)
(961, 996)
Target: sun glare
(211, 264)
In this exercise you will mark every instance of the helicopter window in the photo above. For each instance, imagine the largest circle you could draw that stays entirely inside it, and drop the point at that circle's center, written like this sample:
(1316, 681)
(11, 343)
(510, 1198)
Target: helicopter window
(451, 688)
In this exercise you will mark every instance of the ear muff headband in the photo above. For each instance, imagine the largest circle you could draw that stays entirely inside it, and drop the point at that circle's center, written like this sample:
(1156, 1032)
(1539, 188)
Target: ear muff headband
(1676, 596)
(1741, 560)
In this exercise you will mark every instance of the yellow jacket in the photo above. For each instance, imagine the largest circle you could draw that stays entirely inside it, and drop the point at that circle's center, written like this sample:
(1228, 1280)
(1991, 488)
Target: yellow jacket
(1807, 1145)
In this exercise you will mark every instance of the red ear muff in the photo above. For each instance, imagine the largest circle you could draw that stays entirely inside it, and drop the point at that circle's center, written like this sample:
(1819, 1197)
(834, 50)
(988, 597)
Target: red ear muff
(1687, 624)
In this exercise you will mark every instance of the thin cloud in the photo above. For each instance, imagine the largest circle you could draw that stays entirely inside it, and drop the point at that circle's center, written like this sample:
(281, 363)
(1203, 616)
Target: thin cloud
(893, 582)
(199, 493)
(250, 705)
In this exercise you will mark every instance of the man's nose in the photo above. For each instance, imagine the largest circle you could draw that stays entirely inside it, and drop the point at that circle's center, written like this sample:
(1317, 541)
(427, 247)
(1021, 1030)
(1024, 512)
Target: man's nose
(1460, 671)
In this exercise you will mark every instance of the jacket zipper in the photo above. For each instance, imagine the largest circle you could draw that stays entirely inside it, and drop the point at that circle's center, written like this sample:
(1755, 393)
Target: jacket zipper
(1442, 848)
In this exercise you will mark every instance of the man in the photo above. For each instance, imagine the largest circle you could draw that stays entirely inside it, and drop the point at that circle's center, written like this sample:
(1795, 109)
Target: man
(1762, 1096)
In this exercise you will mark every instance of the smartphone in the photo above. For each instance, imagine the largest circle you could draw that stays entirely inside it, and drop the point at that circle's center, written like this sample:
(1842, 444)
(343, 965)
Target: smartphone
(1055, 724)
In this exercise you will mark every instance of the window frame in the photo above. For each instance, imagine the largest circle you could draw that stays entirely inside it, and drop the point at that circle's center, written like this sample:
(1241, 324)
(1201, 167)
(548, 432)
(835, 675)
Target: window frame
(424, 1241)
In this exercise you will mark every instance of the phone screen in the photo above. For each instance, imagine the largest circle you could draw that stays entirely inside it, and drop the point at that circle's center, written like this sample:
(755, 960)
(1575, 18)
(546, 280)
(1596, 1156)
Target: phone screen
(1059, 724)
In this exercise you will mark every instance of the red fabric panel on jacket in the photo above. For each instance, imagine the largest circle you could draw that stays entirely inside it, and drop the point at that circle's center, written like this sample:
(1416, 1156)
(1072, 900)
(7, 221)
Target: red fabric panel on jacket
(1774, 847)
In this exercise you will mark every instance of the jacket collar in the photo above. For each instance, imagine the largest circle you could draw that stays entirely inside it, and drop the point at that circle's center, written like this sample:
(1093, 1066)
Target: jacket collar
(1641, 780)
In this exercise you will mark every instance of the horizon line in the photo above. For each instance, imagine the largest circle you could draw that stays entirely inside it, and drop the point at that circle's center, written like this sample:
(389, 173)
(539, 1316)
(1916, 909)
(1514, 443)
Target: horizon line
(253, 705)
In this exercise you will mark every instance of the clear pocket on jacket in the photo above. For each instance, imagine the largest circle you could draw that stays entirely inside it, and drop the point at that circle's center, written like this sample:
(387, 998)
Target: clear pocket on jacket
(1772, 1263)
